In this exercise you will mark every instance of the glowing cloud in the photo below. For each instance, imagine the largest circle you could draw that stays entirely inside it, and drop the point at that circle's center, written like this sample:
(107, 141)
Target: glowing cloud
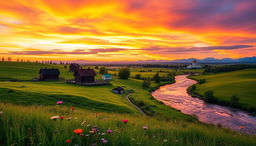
(127, 30)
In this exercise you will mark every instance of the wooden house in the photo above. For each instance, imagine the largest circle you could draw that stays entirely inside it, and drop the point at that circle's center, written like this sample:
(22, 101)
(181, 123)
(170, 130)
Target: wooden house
(118, 90)
(84, 75)
(107, 77)
(49, 74)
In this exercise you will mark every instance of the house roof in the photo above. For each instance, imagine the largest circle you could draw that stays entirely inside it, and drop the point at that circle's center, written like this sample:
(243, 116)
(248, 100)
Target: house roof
(48, 71)
(85, 72)
(107, 75)
(74, 65)
(118, 89)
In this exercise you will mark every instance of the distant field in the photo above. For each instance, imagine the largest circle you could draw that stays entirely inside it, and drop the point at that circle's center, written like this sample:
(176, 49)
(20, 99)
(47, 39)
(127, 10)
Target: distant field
(240, 83)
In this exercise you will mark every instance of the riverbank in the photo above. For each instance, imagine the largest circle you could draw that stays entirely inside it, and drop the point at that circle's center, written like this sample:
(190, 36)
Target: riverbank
(238, 84)
(176, 96)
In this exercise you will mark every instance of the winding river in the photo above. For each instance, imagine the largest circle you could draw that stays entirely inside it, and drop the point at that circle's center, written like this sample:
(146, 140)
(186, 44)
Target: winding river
(176, 96)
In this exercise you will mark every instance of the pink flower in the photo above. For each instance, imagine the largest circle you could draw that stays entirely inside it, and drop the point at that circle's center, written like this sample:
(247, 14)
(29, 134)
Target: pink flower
(91, 132)
(145, 127)
(59, 102)
(94, 129)
(125, 121)
(103, 140)
(109, 131)
(55, 117)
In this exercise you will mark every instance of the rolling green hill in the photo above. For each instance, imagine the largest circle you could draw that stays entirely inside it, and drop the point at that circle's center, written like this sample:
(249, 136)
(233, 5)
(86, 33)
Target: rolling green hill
(26, 92)
(26, 108)
(240, 83)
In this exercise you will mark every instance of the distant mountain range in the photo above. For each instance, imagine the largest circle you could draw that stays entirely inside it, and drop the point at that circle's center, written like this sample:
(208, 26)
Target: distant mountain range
(209, 60)
(214, 60)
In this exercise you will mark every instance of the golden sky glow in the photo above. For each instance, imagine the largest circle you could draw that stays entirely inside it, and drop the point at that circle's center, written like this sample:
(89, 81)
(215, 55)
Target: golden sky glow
(127, 30)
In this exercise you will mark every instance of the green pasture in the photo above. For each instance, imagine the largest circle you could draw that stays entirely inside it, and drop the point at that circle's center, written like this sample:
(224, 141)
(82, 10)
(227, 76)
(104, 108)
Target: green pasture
(240, 83)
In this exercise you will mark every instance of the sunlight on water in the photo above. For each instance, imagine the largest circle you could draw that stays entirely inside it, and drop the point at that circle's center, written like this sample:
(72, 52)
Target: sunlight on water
(176, 96)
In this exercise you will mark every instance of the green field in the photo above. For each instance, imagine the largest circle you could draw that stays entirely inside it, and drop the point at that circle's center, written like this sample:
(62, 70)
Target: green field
(26, 108)
(240, 83)
(99, 98)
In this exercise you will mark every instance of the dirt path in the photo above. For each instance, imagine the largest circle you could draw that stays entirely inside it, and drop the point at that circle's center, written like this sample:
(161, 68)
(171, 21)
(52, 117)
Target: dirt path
(141, 111)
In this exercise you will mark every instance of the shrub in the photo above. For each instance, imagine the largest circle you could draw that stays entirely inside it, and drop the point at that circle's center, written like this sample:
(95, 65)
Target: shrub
(157, 78)
(103, 70)
(138, 76)
(209, 96)
(124, 73)
(201, 81)
(193, 87)
(234, 101)
(146, 83)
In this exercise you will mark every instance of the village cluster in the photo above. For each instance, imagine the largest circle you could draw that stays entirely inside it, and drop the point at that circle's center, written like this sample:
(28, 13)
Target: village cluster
(85, 77)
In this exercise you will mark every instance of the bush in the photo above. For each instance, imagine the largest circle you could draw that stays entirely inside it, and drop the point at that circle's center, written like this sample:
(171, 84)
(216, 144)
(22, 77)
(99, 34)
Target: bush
(157, 78)
(201, 81)
(103, 70)
(234, 101)
(138, 76)
(209, 97)
(124, 73)
(146, 83)
(193, 87)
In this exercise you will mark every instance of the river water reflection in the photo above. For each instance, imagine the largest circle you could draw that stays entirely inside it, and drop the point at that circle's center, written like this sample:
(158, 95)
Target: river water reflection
(176, 96)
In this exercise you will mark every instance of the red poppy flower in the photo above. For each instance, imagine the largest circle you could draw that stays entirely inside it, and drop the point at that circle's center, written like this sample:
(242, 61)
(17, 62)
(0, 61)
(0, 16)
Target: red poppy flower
(125, 121)
(68, 141)
(61, 117)
(78, 131)
(72, 108)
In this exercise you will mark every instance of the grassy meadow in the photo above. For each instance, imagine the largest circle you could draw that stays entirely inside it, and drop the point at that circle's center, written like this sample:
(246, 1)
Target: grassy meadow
(26, 108)
(239, 83)
(32, 125)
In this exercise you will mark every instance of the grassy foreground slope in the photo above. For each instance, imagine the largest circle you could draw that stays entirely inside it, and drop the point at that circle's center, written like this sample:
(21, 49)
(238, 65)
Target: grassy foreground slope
(31, 125)
(240, 83)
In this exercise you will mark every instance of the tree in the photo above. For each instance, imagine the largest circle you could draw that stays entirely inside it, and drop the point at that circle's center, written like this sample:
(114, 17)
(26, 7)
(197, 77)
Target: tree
(146, 83)
(157, 78)
(234, 100)
(96, 67)
(103, 70)
(201, 81)
(171, 76)
(209, 96)
(137, 76)
(124, 73)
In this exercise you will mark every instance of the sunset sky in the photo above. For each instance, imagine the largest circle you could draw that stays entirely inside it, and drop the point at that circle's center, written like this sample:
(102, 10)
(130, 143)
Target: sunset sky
(127, 30)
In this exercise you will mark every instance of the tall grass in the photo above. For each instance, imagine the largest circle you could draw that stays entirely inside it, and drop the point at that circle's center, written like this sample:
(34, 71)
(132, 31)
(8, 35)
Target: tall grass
(31, 125)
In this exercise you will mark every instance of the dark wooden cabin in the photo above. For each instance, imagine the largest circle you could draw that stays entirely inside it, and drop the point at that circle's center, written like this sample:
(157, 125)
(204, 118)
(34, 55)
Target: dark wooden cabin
(118, 90)
(84, 75)
(49, 74)
(74, 66)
